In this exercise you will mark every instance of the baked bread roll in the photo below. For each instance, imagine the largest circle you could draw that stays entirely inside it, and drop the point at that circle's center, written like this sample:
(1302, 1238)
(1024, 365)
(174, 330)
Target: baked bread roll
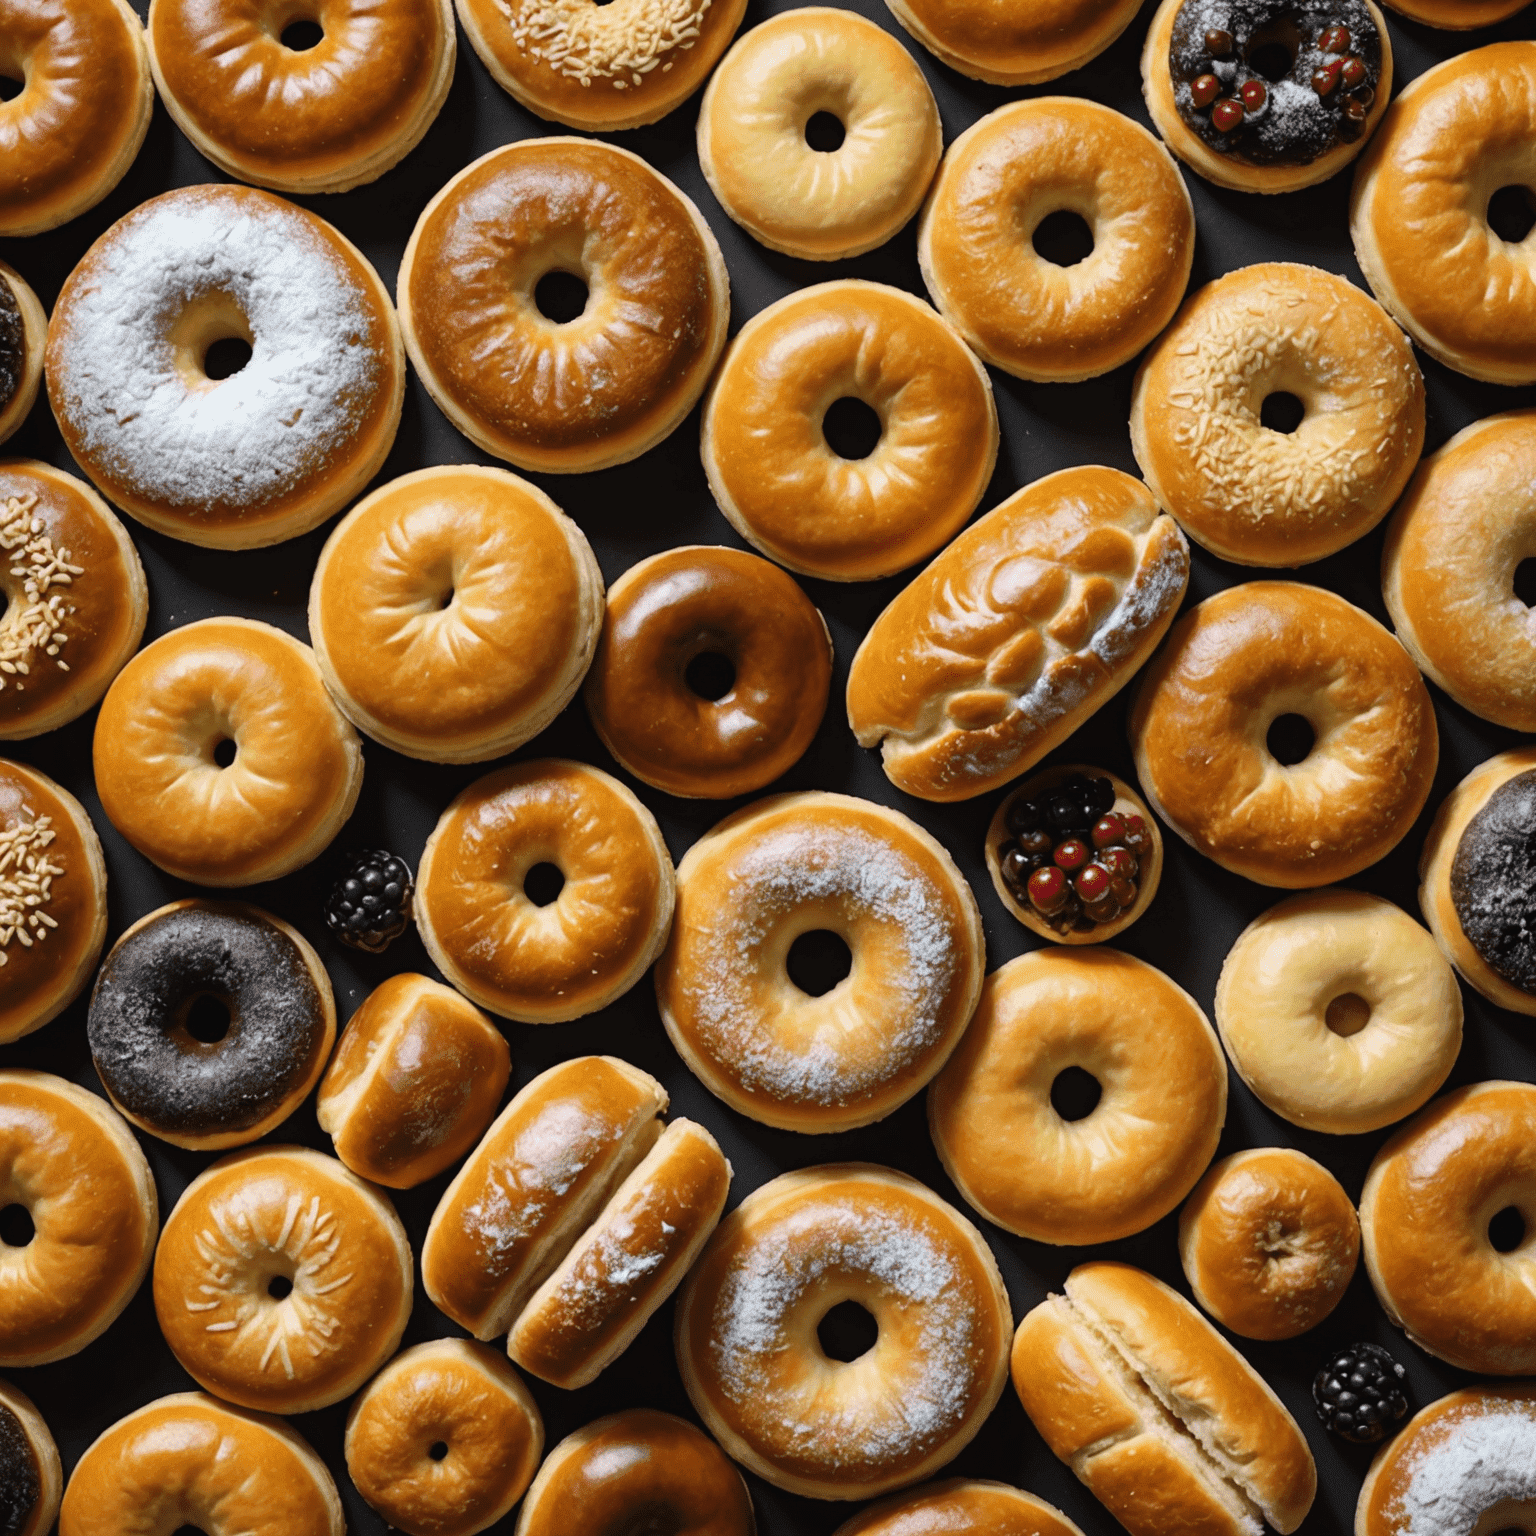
(31, 1478)
(1010, 44)
(961, 1507)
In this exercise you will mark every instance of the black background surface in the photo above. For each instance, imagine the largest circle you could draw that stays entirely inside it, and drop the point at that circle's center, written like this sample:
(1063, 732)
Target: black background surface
(662, 500)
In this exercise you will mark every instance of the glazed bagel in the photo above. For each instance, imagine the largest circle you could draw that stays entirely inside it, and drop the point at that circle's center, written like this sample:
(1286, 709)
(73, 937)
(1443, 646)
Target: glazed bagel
(1429, 1199)
(23, 335)
(273, 449)
(1010, 44)
(756, 1372)
(792, 196)
(71, 135)
(161, 749)
(454, 612)
(1419, 212)
(961, 1507)
(1017, 308)
(1257, 496)
(1233, 666)
(1339, 1012)
(67, 1158)
(784, 486)
(321, 119)
(1458, 15)
(1139, 1150)
(31, 1478)
(593, 391)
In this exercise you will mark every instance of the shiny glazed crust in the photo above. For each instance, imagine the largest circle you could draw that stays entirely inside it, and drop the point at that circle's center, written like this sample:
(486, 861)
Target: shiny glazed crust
(44, 1453)
(1037, 615)
(999, 180)
(34, 321)
(1015, 44)
(1252, 495)
(1458, 15)
(961, 1507)
(1149, 1138)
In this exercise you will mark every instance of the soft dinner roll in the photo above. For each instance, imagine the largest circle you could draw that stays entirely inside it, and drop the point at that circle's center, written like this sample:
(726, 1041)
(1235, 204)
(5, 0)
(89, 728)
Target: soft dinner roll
(31, 1478)
(1012, 44)
(23, 334)
(961, 1507)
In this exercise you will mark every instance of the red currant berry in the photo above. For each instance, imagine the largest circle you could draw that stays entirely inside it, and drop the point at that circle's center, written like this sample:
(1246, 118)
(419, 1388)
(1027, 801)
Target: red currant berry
(1228, 114)
(1120, 862)
(1218, 42)
(1334, 40)
(1071, 855)
(1105, 911)
(1037, 842)
(1352, 72)
(1325, 77)
(1092, 883)
(1047, 888)
(1108, 829)
(1254, 94)
(1204, 89)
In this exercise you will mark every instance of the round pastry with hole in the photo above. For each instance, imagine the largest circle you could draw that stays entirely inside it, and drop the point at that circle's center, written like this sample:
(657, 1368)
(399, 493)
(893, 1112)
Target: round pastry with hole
(961, 1507)
(23, 334)
(444, 1440)
(1075, 854)
(756, 896)
(1011, 44)
(31, 1478)
(454, 612)
(711, 674)
(282, 1281)
(1006, 184)
(78, 122)
(1214, 424)
(1441, 211)
(78, 1218)
(1458, 15)
(314, 97)
(754, 1364)
(818, 134)
(545, 891)
(1267, 95)
(1339, 1012)
(220, 756)
(1448, 1219)
(1085, 1100)
(563, 303)
(1203, 725)
(226, 367)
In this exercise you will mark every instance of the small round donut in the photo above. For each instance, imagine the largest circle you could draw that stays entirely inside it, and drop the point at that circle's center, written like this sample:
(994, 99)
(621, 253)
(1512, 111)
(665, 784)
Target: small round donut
(1232, 667)
(204, 1464)
(1021, 311)
(961, 1507)
(282, 1281)
(75, 128)
(210, 1023)
(454, 613)
(1418, 214)
(702, 600)
(535, 957)
(1269, 1242)
(23, 335)
(1339, 1012)
(221, 757)
(586, 391)
(1430, 1197)
(814, 863)
(53, 900)
(1015, 44)
(31, 1478)
(1252, 494)
(816, 201)
(784, 485)
(639, 1465)
(271, 450)
(1135, 1153)
(322, 118)
(444, 1440)
(69, 1161)
(1458, 15)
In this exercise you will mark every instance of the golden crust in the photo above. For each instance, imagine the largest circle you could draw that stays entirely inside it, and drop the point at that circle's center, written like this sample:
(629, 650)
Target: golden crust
(1012, 44)
(45, 1459)
(34, 330)
(1458, 15)
(961, 1507)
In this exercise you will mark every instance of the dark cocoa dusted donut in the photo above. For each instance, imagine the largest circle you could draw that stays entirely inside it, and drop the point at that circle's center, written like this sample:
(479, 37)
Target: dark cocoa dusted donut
(13, 349)
(1493, 881)
(175, 1069)
(30, 1475)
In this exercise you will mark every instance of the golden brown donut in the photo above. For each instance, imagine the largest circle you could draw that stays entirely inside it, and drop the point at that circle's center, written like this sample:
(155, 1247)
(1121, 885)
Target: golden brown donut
(282, 1281)
(53, 900)
(417, 1075)
(1232, 667)
(639, 1464)
(70, 136)
(68, 1159)
(1419, 212)
(580, 394)
(444, 1440)
(1018, 309)
(1034, 617)
(1458, 15)
(961, 1507)
(454, 612)
(704, 600)
(169, 782)
(23, 335)
(754, 1368)
(325, 118)
(1257, 496)
(783, 485)
(1014, 44)
(1429, 1199)
(1269, 1242)
(1142, 1146)
(30, 1472)
(190, 1458)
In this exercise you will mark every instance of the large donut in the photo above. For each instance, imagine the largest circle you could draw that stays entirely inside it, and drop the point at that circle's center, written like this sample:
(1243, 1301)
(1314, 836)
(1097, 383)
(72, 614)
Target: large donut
(1009, 44)
(31, 1478)
(1458, 15)
(23, 334)
(961, 1507)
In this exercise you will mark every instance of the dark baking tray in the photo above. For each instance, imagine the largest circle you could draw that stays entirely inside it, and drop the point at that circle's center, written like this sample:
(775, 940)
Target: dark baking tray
(662, 500)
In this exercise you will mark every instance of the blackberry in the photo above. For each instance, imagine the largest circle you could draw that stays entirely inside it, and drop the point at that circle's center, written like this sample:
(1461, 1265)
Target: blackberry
(370, 906)
(1359, 1393)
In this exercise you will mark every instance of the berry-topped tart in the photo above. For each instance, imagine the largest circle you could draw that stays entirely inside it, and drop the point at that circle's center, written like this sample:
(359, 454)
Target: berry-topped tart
(1075, 854)
(1267, 95)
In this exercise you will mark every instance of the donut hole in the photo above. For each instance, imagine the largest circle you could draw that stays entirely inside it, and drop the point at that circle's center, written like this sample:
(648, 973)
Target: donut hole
(1525, 582)
(225, 751)
(1075, 1094)
(1290, 739)
(16, 1228)
(817, 961)
(852, 428)
(848, 1332)
(561, 296)
(1506, 1231)
(280, 1287)
(1512, 213)
(1063, 238)
(824, 132)
(1347, 1014)
(207, 1019)
(543, 884)
(302, 35)
(1281, 412)
(710, 675)
(226, 357)
(1272, 49)
(11, 86)
(189, 1530)
(438, 1450)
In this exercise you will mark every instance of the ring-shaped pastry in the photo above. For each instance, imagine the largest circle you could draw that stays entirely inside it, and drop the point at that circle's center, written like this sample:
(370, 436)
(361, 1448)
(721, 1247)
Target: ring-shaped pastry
(1015, 44)
(30, 1473)
(961, 1507)
(1458, 15)
(23, 335)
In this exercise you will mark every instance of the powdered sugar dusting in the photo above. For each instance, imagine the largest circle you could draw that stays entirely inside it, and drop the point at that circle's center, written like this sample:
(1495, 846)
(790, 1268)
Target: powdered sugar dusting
(1486, 1458)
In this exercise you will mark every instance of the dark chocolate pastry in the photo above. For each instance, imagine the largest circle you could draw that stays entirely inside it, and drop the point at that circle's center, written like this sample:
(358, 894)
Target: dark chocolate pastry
(1493, 881)
(21, 1484)
(13, 348)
